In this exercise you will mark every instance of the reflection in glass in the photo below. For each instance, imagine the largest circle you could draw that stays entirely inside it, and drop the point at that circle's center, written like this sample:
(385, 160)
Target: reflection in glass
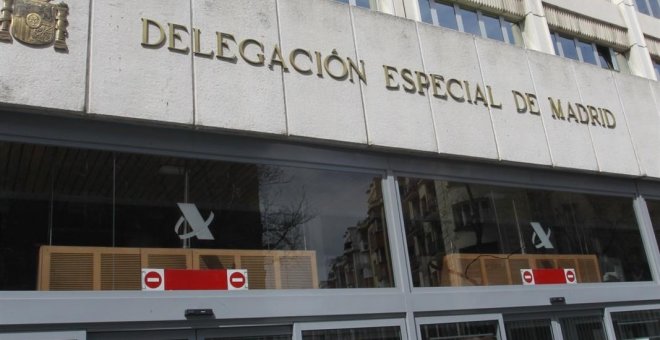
(643, 324)
(568, 47)
(446, 15)
(372, 333)
(654, 212)
(642, 6)
(529, 330)
(474, 330)
(470, 22)
(462, 234)
(91, 212)
(508, 28)
(493, 28)
(363, 3)
(425, 11)
(587, 51)
(583, 328)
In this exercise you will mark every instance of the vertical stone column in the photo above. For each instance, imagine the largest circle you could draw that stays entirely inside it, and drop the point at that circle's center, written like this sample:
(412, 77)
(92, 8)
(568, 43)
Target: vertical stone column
(535, 29)
(410, 9)
(639, 59)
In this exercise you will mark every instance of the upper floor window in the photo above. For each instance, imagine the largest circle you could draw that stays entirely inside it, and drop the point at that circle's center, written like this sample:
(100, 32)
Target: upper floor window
(649, 7)
(360, 3)
(469, 21)
(656, 66)
(585, 51)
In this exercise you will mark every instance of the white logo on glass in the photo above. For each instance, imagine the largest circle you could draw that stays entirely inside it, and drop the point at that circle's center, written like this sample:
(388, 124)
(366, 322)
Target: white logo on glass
(541, 236)
(200, 228)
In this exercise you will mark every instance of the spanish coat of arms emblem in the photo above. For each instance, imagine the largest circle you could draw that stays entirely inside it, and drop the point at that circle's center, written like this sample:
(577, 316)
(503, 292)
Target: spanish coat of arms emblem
(34, 22)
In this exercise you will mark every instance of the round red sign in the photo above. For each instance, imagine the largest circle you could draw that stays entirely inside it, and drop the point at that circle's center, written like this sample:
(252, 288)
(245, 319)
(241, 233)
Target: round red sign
(527, 276)
(570, 276)
(153, 280)
(237, 280)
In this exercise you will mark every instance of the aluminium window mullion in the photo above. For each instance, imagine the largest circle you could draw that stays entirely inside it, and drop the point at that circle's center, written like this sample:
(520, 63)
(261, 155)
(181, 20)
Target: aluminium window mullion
(459, 18)
(560, 48)
(505, 33)
(576, 42)
(434, 14)
(595, 48)
(648, 237)
(482, 25)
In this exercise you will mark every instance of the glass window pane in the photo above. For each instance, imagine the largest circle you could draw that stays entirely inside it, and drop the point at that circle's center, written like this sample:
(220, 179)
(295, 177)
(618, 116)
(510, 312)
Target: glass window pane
(634, 325)
(656, 66)
(605, 57)
(470, 22)
(568, 47)
(655, 8)
(314, 228)
(446, 15)
(583, 328)
(455, 229)
(528, 330)
(474, 330)
(654, 212)
(344, 1)
(587, 50)
(363, 3)
(642, 6)
(493, 27)
(372, 333)
(425, 11)
(508, 28)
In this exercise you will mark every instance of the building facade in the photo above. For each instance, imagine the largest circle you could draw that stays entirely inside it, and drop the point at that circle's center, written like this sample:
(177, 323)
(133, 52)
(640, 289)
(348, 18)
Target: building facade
(381, 169)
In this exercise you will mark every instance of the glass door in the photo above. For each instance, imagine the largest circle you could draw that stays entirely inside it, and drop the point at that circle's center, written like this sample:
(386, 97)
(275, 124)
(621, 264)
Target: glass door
(472, 327)
(222, 333)
(351, 330)
(556, 326)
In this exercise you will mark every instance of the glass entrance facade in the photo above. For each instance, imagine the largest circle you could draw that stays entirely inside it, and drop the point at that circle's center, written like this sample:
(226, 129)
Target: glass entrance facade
(75, 219)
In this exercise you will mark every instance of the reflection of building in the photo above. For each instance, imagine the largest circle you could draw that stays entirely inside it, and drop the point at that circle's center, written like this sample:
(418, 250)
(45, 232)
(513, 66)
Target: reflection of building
(366, 258)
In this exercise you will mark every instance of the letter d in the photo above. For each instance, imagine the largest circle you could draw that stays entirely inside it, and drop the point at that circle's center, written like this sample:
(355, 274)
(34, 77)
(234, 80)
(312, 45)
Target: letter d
(145, 33)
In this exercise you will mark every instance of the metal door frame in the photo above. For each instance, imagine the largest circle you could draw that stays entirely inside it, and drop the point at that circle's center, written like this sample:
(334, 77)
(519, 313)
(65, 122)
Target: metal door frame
(555, 316)
(607, 317)
(298, 328)
(461, 318)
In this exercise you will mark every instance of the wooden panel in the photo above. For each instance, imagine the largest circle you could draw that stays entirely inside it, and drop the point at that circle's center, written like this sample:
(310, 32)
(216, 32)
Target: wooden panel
(492, 269)
(71, 271)
(166, 258)
(295, 272)
(497, 271)
(101, 268)
(121, 271)
(261, 272)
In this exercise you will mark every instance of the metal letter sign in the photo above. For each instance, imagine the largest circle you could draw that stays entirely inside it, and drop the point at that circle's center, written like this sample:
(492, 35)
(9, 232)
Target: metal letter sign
(34, 22)
(540, 234)
(200, 228)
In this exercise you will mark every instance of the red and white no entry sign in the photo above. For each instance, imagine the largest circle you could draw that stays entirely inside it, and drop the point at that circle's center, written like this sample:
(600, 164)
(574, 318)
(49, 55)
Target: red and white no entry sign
(237, 279)
(191, 279)
(153, 279)
(527, 276)
(544, 276)
(570, 276)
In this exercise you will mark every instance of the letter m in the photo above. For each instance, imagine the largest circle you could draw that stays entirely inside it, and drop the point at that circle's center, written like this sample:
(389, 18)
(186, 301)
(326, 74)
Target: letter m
(557, 112)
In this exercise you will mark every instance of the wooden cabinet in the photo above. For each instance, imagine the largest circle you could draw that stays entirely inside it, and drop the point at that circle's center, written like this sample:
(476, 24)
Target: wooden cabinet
(100, 268)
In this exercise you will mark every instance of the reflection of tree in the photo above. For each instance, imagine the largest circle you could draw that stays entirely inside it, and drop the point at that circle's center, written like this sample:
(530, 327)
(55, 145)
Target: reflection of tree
(282, 222)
